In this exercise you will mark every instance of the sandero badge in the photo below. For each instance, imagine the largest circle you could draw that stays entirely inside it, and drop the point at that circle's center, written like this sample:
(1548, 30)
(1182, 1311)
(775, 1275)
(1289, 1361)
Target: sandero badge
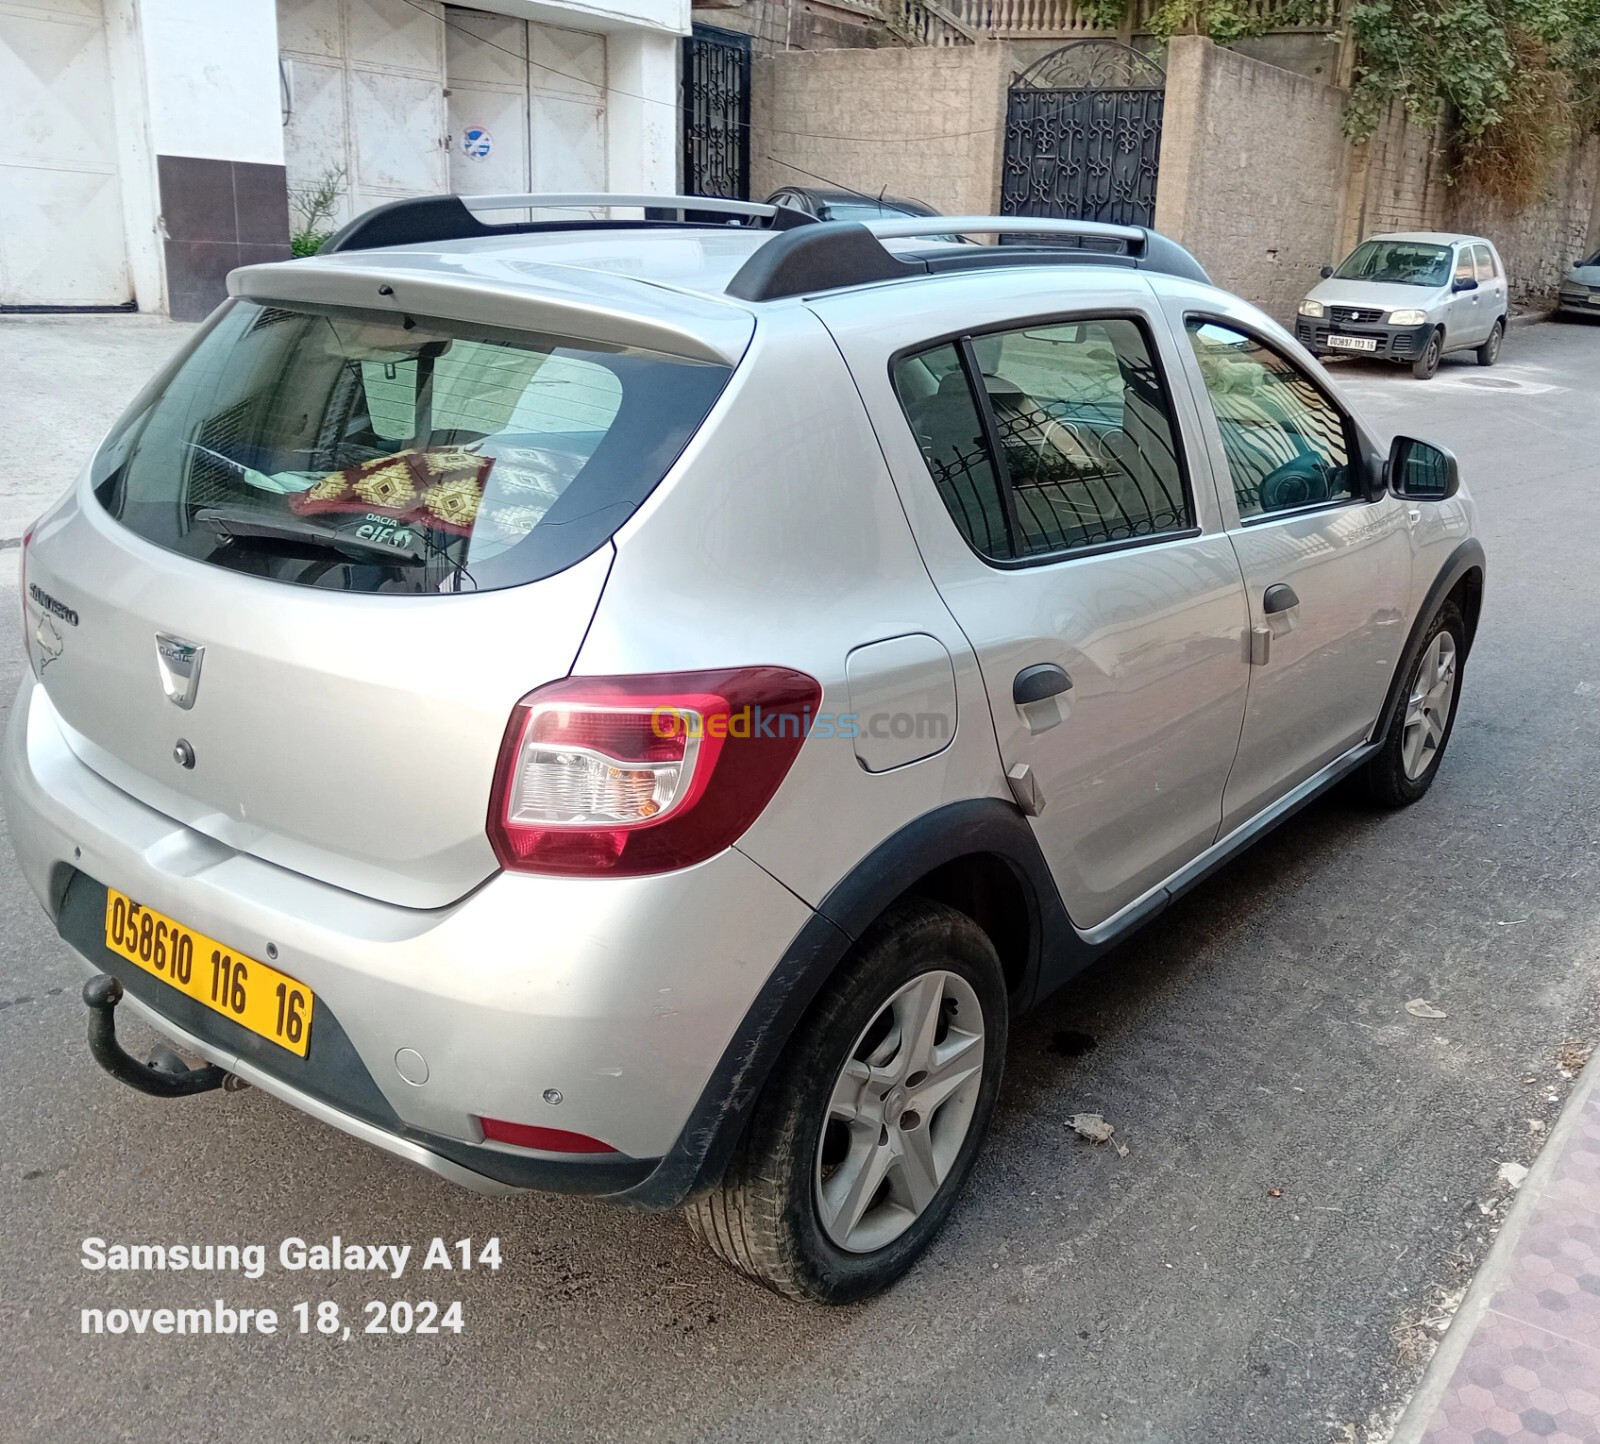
(179, 662)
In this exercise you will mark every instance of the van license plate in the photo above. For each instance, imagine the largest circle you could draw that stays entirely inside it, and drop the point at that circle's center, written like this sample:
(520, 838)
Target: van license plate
(1353, 343)
(254, 995)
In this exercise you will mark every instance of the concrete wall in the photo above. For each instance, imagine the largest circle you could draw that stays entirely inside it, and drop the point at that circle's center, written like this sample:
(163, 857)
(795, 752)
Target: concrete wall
(1256, 175)
(1251, 167)
(1395, 181)
(778, 25)
(1541, 241)
(1258, 180)
(923, 123)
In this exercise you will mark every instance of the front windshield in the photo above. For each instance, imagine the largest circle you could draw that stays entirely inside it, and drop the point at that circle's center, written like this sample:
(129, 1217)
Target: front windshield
(1398, 263)
(1593, 260)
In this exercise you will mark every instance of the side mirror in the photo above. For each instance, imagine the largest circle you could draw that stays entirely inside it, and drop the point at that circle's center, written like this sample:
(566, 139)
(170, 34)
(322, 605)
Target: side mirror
(1464, 283)
(1325, 272)
(1422, 471)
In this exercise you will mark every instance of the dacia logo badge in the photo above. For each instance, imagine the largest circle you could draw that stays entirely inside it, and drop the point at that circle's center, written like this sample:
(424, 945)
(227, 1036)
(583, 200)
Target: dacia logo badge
(179, 662)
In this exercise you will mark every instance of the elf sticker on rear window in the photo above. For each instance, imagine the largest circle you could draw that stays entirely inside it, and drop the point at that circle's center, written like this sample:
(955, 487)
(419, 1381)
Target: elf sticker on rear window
(441, 489)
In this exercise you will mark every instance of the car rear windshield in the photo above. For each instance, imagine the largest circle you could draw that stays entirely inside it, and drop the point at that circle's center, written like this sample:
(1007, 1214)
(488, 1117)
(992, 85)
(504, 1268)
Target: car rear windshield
(383, 453)
(1400, 263)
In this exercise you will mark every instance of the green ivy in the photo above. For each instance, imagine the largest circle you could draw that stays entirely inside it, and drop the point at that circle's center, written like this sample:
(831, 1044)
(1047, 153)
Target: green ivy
(1220, 20)
(1515, 80)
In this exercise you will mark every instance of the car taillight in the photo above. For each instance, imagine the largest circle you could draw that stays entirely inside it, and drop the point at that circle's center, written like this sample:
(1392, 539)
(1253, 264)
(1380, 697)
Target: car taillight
(632, 775)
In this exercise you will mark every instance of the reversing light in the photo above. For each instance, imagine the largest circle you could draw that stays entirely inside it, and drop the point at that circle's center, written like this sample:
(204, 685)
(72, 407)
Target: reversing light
(631, 775)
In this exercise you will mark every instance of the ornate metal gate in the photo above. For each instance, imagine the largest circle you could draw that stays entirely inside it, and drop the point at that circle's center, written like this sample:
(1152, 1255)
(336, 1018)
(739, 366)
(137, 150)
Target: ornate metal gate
(1083, 135)
(716, 113)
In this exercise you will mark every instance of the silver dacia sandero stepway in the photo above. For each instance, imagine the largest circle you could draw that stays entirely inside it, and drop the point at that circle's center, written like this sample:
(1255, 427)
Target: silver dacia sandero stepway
(634, 707)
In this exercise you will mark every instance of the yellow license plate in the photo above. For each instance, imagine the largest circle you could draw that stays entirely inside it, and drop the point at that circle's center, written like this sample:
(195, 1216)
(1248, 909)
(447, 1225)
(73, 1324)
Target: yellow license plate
(254, 995)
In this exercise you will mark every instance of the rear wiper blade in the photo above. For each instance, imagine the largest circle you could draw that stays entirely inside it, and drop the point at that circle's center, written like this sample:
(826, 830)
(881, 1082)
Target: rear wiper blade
(241, 523)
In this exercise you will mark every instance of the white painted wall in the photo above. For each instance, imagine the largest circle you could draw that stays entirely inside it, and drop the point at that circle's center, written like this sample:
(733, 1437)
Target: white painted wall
(211, 78)
(642, 106)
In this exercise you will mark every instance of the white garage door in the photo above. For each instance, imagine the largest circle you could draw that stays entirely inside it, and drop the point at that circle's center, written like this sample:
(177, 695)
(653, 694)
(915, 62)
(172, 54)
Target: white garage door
(61, 229)
(527, 105)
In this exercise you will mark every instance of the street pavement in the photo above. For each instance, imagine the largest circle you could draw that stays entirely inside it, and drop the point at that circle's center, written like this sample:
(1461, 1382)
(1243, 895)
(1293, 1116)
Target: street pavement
(1311, 1173)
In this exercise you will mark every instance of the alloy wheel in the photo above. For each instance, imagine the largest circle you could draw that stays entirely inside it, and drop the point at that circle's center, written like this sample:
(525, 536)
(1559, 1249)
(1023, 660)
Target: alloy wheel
(1433, 689)
(899, 1112)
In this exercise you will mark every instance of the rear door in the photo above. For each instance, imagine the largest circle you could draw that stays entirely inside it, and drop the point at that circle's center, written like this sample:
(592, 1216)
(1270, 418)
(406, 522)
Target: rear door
(1491, 280)
(1471, 313)
(1041, 460)
(1327, 572)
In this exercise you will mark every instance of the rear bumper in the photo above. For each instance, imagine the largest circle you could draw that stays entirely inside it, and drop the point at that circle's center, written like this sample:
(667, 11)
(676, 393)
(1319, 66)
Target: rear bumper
(1391, 343)
(620, 994)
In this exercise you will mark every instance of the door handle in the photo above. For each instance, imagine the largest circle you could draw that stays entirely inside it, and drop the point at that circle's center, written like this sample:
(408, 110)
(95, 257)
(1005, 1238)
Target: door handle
(1279, 597)
(1039, 683)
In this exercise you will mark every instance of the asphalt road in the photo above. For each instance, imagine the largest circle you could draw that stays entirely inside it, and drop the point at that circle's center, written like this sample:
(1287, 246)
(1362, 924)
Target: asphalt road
(1307, 1165)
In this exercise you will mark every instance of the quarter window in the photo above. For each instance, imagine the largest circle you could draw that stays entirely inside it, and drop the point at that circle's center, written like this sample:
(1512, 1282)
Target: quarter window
(1285, 442)
(1070, 446)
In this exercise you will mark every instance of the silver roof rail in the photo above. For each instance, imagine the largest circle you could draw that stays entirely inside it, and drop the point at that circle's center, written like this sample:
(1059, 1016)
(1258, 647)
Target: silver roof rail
(832, 255)
(597, 200)
(913, 226)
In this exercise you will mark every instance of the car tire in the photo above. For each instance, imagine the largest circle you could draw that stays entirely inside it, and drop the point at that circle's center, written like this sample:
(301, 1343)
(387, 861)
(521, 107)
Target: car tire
(1427, 363)
(1402, 771)
(1489, 352)
(838, 1183)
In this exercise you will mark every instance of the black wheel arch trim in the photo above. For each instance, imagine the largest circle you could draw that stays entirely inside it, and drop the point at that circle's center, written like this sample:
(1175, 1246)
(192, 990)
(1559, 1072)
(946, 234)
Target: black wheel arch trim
(976, 827)
(1467, 557)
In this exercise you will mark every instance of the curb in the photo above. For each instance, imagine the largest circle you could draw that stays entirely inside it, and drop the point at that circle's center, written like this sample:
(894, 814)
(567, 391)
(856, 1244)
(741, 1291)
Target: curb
(1424, 1404)
(1529, 318)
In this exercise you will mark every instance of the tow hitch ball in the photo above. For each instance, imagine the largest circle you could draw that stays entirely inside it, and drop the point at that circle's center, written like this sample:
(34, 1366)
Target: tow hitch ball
(166, 1075)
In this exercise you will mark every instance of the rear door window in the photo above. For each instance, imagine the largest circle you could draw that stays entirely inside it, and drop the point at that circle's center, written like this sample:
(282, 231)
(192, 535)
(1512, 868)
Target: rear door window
(1069, 444)
(1483, 260)
(382, 453)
